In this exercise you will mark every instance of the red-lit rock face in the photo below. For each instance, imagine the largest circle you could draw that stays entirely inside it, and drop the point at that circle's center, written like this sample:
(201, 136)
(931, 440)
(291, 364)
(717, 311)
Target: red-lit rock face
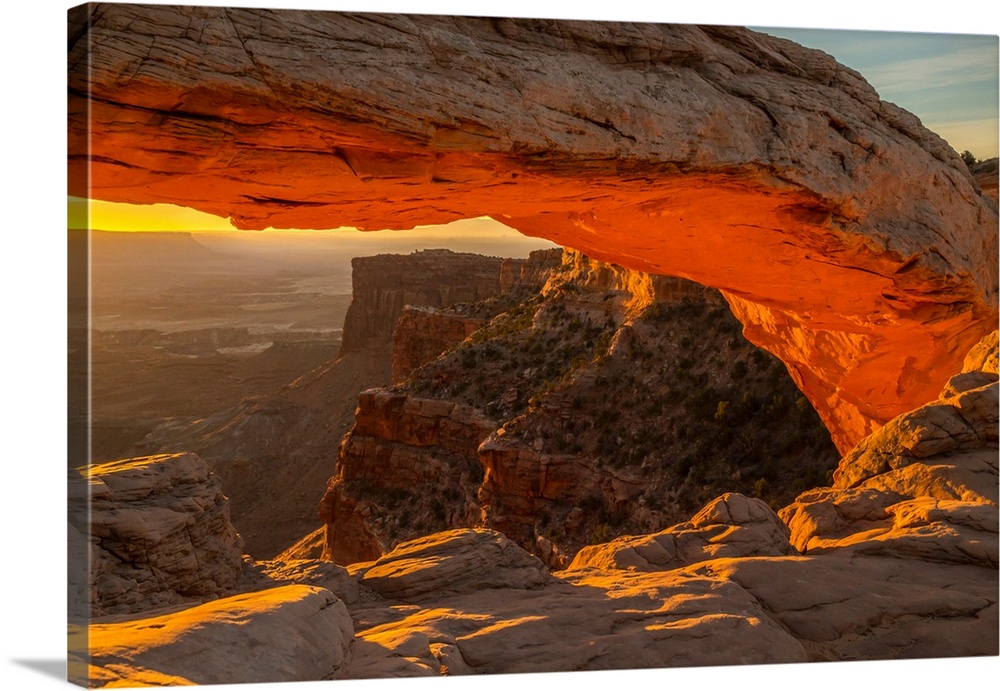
(851, 242)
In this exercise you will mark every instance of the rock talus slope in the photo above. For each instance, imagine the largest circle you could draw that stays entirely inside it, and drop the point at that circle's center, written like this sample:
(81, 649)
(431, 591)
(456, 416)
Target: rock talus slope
(671, 149)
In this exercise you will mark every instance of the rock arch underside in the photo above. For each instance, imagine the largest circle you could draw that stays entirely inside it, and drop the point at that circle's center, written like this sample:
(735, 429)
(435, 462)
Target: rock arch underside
(850, 241)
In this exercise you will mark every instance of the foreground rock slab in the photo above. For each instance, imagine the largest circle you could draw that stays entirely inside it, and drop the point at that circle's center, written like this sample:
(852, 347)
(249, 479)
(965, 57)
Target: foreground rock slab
(730, 526)
(925, 485)
(290, 633)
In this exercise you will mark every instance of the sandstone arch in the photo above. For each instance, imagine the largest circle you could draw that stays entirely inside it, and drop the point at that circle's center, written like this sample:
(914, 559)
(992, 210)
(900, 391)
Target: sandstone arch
(850, 241)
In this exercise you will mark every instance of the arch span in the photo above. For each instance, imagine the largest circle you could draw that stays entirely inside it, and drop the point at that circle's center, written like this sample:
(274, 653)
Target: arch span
(849, 240)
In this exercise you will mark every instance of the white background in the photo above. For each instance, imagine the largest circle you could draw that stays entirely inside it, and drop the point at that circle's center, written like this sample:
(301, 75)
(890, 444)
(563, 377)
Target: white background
(32, 388)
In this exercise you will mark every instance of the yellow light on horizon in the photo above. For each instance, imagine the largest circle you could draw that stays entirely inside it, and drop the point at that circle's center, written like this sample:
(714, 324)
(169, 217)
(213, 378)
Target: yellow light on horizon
(137, 218)
(153, 218)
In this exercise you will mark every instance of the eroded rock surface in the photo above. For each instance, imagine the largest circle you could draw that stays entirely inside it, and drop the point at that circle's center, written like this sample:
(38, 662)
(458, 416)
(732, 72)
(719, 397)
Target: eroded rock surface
(583, 409)
(924, 485)
(891, 569)
(458, 561)
(730, 526)
(160, 534)
(401, 442)
(421, 334)
(291, 633)
(384, 284)
(671, 149)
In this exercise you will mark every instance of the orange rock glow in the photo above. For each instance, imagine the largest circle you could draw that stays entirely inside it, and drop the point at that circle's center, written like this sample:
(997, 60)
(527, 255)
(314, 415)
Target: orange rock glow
(850, 241)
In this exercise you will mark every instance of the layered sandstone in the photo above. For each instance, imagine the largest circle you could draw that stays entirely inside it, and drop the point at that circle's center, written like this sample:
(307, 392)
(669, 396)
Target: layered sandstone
(588, 405)
(159, 533)
(407, 468)
(384, 284)
(727, 587)
(290, 633)
(274, 451)
(924, 485)
(742, 161)
(421, 334)
(730, 526)
(531, 273)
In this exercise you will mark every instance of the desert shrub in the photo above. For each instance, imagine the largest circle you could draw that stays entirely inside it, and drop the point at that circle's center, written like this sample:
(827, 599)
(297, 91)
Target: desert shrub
(969, 159)
(720, 410)
(760, 488)
(600, 533)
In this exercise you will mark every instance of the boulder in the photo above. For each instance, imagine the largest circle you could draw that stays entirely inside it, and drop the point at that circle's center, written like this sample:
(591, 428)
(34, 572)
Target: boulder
(458, 561)
(160, 534)
(730, 526)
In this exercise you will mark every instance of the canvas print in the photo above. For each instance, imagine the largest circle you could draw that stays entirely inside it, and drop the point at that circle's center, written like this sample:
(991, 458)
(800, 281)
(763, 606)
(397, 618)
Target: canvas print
(413, 345)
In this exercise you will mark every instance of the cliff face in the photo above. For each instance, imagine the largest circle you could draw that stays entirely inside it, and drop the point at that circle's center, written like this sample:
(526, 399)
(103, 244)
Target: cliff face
(384, 284)
(274, 452)
(586, 407)
(421, 334)
(741, 161)
(415, 455)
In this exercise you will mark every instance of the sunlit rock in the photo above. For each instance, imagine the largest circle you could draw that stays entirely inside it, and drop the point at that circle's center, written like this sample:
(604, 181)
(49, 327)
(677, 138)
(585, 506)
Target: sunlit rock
(852, 242)
(924, 485)
(459, 561)
(291, 633)
(730, 526)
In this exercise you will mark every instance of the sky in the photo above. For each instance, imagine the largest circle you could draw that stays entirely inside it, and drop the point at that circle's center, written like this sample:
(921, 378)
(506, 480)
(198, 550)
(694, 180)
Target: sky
(949, 81)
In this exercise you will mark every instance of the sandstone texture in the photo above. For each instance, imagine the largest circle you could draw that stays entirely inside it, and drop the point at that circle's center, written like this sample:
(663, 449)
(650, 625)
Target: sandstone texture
(291, 633)
(671, 149)
(730, 526)
(384, 284)
(897, 560)
(159, 534)
(923, 485)
(400, 442)
(460, 561)
(421, 334)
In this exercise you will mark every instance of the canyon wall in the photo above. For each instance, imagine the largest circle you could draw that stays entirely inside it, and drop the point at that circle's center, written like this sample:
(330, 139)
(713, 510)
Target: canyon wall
(851, 241)
(421, 334)
(275, 451)
(897, 560)
(384, 284)
(604, 401)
